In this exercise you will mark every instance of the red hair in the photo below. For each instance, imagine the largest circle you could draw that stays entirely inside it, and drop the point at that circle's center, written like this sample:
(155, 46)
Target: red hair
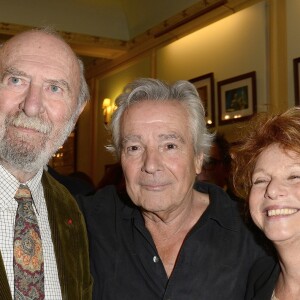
(262, 131)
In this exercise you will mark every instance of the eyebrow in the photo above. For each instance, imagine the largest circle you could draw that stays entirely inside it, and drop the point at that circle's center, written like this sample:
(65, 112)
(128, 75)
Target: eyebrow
(171, 136)
(131, 138)
(258, 170)
(289, 166)
(15, 72)
(162, 137)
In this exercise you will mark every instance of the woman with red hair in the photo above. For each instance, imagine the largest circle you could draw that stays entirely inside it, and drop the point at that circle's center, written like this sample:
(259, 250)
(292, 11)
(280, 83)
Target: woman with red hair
(266, 165)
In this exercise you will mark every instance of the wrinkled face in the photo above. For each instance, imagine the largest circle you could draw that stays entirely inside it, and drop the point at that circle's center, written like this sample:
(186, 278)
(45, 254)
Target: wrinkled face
(39, 86)
(157, 156)
(275, 194)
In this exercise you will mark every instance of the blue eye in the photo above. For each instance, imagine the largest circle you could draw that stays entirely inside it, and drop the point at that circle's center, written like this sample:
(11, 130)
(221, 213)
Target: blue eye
(15, 80)
(16, 83)
(54, 88)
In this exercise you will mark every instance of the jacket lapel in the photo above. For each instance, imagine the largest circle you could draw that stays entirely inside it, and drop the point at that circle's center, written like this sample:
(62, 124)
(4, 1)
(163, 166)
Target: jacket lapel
(55, 233)
(64, 231)
(4, 286)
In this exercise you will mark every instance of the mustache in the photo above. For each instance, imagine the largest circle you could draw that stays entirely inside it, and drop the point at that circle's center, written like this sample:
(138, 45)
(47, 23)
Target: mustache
(20, 119)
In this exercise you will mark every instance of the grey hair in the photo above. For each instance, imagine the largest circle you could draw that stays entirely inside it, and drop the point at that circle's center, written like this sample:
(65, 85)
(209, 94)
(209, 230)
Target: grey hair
(84, 94)
(155, 90)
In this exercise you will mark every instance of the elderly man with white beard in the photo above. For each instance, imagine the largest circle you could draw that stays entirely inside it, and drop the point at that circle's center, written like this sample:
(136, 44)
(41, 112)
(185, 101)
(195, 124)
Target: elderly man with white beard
(43, 241)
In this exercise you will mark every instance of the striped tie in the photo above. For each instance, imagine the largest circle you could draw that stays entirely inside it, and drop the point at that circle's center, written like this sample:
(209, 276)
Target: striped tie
(28, 251)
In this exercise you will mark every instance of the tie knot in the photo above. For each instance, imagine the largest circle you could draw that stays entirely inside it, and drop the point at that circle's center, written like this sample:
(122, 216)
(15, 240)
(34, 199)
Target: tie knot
(23, 193)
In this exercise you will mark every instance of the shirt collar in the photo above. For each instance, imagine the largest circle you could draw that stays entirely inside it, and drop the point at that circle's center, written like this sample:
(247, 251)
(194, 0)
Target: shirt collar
(36, 188)
(221, 208)
(9, 185)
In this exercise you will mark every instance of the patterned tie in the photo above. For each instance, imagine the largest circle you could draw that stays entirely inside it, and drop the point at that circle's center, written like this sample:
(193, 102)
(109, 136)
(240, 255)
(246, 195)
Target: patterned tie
(28, 252)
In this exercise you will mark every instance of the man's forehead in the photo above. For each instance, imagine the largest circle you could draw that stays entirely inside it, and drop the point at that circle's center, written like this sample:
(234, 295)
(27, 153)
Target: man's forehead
(39, 47)
(32, 38)
(39, 43)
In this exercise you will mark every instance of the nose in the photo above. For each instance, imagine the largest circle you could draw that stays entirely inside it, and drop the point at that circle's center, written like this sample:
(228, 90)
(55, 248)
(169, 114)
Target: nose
(275, 189)
(33, 105)
(151, 161)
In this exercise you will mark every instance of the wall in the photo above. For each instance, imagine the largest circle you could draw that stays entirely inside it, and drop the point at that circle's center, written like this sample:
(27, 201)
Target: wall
(116, 19)
(238, 44)
(232, 46)
(293, 41)
(108, 87)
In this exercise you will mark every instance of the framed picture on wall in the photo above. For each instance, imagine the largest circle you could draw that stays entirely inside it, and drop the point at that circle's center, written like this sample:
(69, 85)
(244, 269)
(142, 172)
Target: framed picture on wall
(297, 80)
(237, 98)
(205, 87)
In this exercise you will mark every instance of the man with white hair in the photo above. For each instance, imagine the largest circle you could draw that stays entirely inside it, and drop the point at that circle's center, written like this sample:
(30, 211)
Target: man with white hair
(167, 239)
(43, 242)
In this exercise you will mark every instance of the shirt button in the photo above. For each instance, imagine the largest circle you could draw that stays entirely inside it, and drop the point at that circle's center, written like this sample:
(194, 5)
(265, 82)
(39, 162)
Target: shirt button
(155, 259)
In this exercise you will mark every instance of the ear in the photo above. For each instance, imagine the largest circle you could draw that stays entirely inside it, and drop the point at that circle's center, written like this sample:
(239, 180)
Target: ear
(198, 160)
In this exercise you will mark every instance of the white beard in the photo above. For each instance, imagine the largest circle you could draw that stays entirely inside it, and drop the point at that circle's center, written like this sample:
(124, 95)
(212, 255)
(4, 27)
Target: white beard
(28, 155)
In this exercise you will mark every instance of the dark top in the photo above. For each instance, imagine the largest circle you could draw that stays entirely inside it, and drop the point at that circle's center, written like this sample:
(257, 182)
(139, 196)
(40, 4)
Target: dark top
(213, 262)
(76, 186)
(262, 279)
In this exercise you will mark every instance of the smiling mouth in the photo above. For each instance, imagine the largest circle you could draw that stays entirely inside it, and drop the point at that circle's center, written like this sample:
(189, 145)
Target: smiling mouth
(281, 212)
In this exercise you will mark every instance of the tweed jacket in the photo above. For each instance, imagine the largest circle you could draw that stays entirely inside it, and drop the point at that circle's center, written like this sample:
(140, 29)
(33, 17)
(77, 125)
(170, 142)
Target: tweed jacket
(70, 244)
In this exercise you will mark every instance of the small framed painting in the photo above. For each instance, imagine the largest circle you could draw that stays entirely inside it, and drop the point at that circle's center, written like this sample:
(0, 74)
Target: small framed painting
(205, 87)
(237, 98)
(297, 80)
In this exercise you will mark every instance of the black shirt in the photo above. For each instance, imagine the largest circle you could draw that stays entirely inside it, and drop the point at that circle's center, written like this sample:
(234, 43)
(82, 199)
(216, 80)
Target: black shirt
(213, 262)
(262, 279)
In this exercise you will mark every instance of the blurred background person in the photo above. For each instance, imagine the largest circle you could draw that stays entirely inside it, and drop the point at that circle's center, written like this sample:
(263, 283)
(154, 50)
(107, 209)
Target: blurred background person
(113, 176)
(78, 183)
(217, 169)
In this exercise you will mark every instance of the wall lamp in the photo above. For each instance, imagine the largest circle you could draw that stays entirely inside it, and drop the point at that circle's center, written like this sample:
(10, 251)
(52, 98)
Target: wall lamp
(108, 108)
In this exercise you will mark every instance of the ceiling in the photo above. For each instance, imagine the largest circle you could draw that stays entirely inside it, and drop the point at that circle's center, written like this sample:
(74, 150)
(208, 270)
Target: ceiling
(116, 19)
(104, 30)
